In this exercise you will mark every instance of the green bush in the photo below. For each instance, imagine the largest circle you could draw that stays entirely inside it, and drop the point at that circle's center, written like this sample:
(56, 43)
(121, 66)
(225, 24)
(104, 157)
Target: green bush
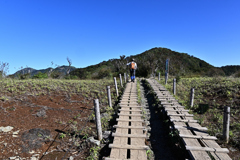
(40, 75)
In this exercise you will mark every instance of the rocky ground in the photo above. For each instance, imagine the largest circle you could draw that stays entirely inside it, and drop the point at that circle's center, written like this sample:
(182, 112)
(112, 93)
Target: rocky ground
(33, 127)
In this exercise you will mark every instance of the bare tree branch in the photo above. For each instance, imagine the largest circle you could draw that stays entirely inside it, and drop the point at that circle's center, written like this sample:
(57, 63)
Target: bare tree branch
(70, 63)
(4, 66)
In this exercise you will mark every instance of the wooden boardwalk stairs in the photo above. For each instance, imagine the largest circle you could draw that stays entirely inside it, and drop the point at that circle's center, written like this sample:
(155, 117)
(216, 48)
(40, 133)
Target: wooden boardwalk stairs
(198, 142)
(129, 138)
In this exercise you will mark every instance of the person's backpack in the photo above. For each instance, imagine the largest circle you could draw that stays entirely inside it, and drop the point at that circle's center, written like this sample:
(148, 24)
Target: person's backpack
(132, 65)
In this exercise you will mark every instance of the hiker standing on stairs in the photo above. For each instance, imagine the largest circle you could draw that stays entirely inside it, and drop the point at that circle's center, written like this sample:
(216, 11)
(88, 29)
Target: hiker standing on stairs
(132, 66)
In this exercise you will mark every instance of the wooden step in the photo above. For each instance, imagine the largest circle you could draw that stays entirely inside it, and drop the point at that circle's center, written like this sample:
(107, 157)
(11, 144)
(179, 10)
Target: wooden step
(183, 115)
(129, 135)
(129, 120)
(218, 150)
(130, 110)
(191, 128)
(119, 146)
(132, 115)
(198, 137)
(115, 159)
(167, 106)
(129, 127)
(177, 110)
(183, 120)
(125, 106)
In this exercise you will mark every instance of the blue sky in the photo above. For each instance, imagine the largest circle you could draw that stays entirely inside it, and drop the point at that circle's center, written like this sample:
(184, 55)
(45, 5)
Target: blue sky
(35, 33)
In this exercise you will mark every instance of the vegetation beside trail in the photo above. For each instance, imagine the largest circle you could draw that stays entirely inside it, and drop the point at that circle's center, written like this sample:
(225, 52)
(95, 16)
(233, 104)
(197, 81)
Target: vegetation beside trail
(211, 95)
(58, 104)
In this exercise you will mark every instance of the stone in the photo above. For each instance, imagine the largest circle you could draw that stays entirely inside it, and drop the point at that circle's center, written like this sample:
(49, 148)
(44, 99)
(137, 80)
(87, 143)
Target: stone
(106, 134)
(12, 157)
(34, 138)
(93, 141)
(34, 158)
(41, 113)
(16, 132)
(71, 158)
(103, 115)
(6, 129)
(232, 149)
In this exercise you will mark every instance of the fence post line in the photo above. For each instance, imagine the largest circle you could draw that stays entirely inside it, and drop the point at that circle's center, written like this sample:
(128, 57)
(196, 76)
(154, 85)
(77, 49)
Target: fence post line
(120, 76)
(174, 86)
(109, 96)
(115, 82)
(159, 76)
(166, 77)
(98, 119)
(226, 123)
(192, 97)
(125, 78)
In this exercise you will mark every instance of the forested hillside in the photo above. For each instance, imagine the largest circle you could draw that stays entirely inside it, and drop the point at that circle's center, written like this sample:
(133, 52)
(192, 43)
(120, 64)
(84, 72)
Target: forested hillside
(151, 61)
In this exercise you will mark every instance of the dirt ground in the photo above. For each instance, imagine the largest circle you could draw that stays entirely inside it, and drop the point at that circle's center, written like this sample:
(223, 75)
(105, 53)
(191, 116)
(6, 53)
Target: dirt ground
(39, 120)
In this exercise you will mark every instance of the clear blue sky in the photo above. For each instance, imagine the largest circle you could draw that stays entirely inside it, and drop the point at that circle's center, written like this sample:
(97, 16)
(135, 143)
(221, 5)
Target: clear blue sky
(35, 33)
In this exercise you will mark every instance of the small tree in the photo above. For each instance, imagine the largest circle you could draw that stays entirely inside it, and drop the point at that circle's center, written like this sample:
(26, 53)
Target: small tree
(4, 66)
(69, 65)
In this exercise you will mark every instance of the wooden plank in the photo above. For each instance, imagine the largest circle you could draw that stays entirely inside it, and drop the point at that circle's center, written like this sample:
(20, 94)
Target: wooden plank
(129, 127)
(130, 110)
(191, 128)
(177, 110)
(167, 106)
(130, 106)
(183, 115)
(129, 135)
(121, 114)
(115, 159)
(129, 120)
(198, 137)
(183, 120)
(220, 150)
(134, 147)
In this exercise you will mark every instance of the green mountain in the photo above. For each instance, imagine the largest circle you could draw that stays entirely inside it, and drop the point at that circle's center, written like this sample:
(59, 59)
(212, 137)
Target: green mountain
(150, 62)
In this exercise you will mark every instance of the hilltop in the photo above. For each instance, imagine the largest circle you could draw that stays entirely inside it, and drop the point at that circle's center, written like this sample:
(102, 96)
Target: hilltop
(149, 62)
(153, 61)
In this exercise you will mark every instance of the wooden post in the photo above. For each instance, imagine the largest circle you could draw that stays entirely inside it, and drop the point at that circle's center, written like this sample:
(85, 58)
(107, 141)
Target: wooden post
(174, 86)
(192, 97)
(159, 76)
(226, 123)
(120, 76)
(125, 78)
(98, 119)
(115, 82)
(109, 96)
(166, 77)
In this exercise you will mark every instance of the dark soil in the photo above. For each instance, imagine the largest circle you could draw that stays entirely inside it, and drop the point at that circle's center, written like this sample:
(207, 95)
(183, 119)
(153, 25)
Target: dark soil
(40, 120)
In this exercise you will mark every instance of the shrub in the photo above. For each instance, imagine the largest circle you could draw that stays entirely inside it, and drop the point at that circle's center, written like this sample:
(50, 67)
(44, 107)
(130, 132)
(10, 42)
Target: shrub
(40, 75)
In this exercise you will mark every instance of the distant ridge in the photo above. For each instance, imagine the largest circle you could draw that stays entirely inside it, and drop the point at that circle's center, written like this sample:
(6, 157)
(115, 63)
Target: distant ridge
(61, 69)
